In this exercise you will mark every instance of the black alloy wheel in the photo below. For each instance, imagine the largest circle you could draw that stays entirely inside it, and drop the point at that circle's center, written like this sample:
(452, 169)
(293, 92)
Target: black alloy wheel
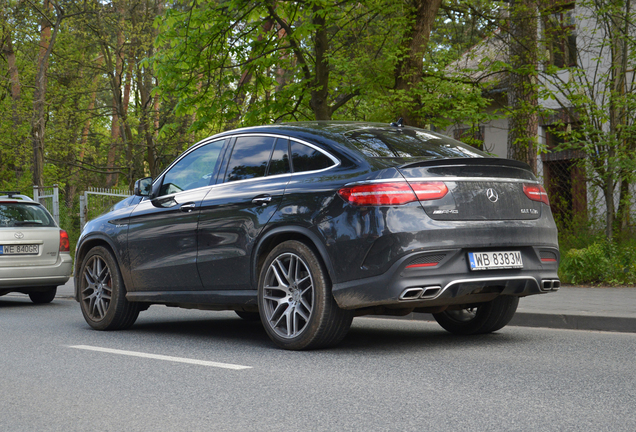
(103, 294)
(479, 319)
(295, 301)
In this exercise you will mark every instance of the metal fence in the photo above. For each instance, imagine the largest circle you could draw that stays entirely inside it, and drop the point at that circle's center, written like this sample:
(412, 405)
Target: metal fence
(49, 197)
(96, 201)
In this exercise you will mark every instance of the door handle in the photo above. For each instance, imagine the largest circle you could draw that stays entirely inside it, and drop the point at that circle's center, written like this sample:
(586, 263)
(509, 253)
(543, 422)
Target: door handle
(188, 207)
(263, 201)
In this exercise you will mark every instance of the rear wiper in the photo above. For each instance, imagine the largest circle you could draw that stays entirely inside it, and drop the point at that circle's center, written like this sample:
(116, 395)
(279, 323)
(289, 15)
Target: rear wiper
(23, 223)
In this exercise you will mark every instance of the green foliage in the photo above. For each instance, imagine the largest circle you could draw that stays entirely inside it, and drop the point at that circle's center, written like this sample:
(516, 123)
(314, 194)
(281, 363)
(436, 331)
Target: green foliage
(601, 263)
(240, 63)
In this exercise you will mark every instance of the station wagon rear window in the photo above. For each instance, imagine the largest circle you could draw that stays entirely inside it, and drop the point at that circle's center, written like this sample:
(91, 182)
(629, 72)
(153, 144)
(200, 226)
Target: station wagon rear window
(409, 143)
(23, 215)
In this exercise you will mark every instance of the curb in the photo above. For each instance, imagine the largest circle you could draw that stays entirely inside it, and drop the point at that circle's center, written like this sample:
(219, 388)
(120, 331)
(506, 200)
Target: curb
(555, 321)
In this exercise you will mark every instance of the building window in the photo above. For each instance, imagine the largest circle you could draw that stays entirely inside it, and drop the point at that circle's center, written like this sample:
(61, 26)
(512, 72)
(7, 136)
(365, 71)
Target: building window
(564, 178)
(473, 136)
(560, 34)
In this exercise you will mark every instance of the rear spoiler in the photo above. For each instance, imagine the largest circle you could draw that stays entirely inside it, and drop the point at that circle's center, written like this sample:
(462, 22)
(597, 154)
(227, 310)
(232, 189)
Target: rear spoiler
(468, 161)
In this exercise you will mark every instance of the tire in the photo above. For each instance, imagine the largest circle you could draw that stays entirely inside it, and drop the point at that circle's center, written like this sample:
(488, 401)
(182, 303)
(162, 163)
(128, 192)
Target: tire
(295, 301)
(249, 316)
(103, 294)
(41, 297)
(483, 318)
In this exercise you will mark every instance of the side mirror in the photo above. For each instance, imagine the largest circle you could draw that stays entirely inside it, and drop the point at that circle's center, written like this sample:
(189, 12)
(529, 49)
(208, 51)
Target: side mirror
(143, 187)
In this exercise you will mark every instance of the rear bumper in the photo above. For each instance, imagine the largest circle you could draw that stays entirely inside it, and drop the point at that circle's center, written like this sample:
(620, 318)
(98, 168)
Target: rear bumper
(450, 282)
(37, 276)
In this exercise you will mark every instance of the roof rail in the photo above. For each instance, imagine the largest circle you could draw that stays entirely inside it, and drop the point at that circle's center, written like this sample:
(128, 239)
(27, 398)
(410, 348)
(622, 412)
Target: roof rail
(10, 194)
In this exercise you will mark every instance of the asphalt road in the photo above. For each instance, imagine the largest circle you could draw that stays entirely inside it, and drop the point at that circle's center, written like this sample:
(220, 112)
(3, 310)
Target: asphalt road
(181, 370)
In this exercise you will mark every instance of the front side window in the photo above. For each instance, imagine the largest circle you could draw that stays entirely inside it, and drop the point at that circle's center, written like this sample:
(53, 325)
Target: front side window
(19, 215)
(250, 157)
(197, 169)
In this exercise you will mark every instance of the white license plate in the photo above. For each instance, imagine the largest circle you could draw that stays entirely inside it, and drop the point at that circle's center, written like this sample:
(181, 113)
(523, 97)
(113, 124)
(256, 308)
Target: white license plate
(20, 249)
(495, 260)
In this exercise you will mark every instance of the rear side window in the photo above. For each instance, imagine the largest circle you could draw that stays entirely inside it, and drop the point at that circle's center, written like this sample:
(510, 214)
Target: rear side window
(280, 158)
(249, 158)
(22, 215)
(409, 143)
(305, 158)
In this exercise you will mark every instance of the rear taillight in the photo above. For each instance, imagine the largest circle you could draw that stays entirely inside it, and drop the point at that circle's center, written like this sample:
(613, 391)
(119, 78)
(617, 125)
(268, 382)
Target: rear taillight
(536, 193)
(392, 193)
(429, 190)
(378, 194)
(65, 245)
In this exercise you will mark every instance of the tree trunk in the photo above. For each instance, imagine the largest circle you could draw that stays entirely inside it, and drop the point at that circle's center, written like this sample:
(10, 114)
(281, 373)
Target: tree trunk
(408, 73)
(115, 81)
(15, 89)
(320, 88)
(38, 123)
(523, 124)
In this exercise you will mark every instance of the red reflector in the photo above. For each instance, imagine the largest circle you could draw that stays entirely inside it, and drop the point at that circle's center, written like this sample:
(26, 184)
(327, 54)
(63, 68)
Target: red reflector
(65, 245)
(548, 259)
(422, 265)
(429, 190)
(378, 194)
(536, 193)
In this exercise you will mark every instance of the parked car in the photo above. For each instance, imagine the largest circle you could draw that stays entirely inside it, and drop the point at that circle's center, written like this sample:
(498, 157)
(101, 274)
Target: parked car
(306, 225)
(34, 252)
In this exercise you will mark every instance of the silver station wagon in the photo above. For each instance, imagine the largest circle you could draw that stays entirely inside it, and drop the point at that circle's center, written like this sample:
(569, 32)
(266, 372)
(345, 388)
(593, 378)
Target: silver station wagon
(35, 256)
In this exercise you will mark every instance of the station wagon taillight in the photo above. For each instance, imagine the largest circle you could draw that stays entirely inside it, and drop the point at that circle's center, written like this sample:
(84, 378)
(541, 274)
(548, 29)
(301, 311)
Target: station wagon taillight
(392, 193)
(65, 245)
(536, 193)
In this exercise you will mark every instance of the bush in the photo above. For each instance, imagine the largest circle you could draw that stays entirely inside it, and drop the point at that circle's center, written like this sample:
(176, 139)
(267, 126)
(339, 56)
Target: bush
(603, 262)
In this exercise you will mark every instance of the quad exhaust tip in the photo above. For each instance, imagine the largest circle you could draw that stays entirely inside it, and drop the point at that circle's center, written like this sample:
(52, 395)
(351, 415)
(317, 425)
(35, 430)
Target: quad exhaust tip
(420, 293)
(550, 284)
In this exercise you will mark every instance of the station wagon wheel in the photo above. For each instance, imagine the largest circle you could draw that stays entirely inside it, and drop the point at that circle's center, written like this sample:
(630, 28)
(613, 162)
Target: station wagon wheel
(103, 294)
(295, 301)
(481, 318)
(44, 296)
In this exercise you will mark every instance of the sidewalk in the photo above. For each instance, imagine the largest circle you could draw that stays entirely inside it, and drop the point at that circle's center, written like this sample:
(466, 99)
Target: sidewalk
(605, 309)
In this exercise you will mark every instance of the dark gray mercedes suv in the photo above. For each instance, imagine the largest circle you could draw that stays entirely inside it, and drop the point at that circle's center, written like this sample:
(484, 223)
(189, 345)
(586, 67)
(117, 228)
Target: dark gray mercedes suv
(307, 225)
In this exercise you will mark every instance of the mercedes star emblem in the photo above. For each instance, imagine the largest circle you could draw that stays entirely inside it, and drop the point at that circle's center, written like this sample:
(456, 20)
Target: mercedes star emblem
(492, 195)
(18, 235)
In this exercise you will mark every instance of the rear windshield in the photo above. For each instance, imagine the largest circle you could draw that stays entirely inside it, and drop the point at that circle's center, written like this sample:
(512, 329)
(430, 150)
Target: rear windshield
(22, 215)
(409, 143)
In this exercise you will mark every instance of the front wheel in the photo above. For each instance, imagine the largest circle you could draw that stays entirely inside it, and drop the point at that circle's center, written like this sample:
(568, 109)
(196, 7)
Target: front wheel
(103, 294)
(295, 301)
(482, 318)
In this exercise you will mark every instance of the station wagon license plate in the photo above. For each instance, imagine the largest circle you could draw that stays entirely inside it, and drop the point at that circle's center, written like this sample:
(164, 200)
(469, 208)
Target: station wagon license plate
(28, 249)
(495, 260)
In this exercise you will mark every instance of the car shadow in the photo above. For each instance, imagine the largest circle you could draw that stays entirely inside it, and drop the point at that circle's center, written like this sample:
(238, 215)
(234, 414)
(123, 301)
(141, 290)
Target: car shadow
(7, 302)
(427, 337)
(219, 328)
(373, 336)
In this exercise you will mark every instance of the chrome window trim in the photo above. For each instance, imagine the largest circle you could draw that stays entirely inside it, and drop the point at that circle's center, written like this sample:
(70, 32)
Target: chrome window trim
(334, 159)
(446, 179)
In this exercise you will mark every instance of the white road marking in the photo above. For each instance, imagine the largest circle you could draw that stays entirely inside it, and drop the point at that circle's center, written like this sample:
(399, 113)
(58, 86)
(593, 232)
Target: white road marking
(161, 357)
